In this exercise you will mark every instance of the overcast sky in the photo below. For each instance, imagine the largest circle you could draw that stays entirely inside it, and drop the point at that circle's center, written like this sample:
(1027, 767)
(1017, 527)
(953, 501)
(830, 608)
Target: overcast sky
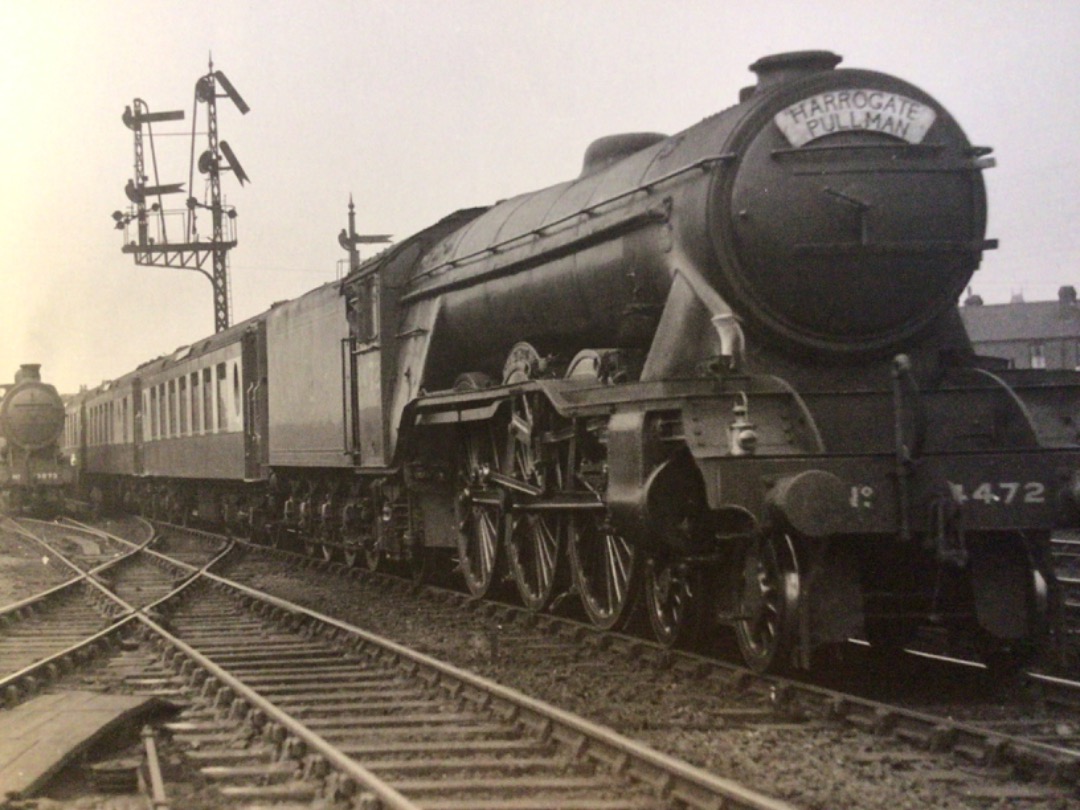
(420, 107)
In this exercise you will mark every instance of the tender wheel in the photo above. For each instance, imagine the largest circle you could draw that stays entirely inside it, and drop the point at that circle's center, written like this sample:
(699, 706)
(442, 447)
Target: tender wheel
(767, 599)
(537, 540)
(605, 567)
(352, 522)
(480, 512)
(671, 588)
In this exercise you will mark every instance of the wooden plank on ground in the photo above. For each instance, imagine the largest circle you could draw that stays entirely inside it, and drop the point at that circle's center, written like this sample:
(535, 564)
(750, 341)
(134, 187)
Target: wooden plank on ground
(41, 736)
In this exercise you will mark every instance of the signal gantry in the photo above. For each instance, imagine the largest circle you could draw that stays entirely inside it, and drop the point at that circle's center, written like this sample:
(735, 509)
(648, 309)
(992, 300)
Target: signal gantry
(151, 243)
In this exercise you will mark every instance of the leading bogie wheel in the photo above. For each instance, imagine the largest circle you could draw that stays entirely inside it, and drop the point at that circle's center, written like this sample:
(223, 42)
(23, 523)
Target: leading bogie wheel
(672, 576)
(671, 588)
(767, 603)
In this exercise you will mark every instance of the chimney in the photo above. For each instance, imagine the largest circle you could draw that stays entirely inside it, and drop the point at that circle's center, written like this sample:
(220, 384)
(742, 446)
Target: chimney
(28, 371)
(786, 67)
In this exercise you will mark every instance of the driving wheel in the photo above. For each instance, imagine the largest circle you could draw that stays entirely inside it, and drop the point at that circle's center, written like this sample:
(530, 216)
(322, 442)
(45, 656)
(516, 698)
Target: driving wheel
(480, 511)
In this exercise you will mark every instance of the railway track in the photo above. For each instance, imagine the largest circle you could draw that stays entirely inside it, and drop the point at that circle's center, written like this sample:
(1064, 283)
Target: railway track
(53, 622)
(48, 633)
(239, 735)
(82, 545)
(1031, 736)
(279, 693)
(428, 734)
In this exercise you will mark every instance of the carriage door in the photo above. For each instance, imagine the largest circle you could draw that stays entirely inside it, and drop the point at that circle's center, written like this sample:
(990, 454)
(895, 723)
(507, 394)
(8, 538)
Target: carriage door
(256, 402)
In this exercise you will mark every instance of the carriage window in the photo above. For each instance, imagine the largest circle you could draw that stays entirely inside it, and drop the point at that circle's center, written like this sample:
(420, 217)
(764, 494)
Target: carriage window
(172, 408)
(208, 401)
(237, 399)
(124, 408)
(222, 392)
(182, 391)
(163, 423)
(196, 419)
(153, 413)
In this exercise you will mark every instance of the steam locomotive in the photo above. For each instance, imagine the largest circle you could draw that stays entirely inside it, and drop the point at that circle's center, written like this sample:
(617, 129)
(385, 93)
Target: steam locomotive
(719, 379)
(34, 475)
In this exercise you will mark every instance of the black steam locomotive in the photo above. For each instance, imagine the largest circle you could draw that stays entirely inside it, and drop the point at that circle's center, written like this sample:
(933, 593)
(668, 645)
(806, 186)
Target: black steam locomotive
(720, 376)
(34, 475)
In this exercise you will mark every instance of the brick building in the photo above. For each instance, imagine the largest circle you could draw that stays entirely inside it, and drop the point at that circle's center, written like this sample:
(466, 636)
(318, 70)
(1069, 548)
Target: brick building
(1035, 334)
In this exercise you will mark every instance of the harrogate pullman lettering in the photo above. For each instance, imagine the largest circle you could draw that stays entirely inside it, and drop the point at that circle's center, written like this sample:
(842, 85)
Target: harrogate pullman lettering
(857, 119)
(844, 110)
